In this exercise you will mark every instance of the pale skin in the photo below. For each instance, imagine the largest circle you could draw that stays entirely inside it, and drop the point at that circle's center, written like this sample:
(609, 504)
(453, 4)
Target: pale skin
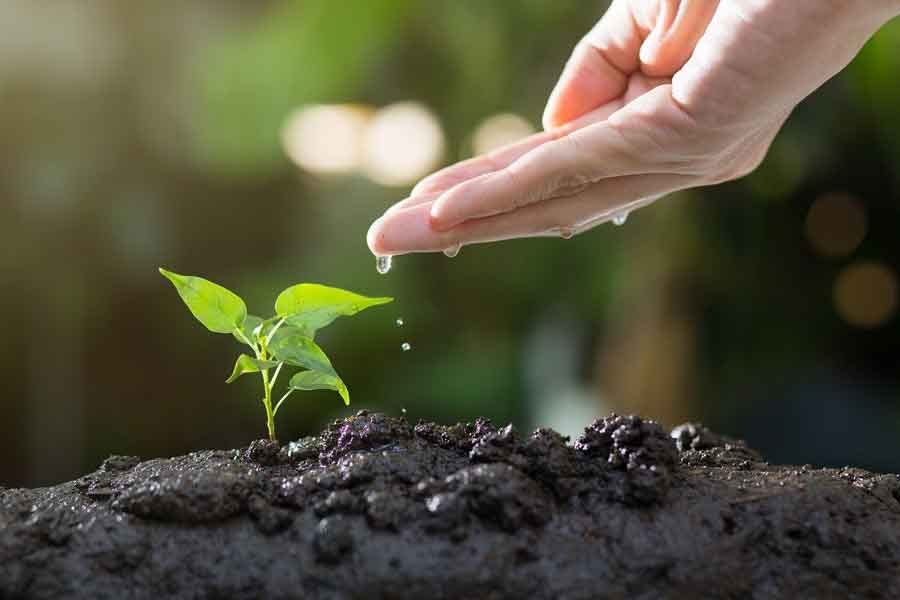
(660, 96)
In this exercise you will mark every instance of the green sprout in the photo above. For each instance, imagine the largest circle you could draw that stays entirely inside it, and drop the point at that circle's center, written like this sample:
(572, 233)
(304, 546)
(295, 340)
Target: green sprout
(285, 339)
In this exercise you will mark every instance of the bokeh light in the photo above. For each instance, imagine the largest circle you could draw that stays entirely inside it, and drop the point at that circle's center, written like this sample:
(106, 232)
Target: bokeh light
(498, 131)
(866, 294)
(326, 139)
(403, 143)
(836, 224)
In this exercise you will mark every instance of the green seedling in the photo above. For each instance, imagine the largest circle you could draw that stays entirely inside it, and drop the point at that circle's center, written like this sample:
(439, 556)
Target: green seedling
(288, 338)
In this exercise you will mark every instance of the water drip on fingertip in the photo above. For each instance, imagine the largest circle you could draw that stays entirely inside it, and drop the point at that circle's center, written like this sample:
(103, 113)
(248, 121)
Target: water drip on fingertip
(383, 264)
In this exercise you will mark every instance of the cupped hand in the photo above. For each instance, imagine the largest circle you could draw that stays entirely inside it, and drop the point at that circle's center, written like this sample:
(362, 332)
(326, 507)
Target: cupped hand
(660, 96)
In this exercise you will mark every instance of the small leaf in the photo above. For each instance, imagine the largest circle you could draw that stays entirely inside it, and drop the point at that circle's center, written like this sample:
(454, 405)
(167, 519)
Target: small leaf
(220, 310)
(312, 380)
(250, 324)
(300, 351)
(311, 306)
(310, 322)
(283, 332)
(247, 364)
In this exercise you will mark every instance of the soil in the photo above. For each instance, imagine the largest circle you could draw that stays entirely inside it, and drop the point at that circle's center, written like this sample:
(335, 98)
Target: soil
(375, 507)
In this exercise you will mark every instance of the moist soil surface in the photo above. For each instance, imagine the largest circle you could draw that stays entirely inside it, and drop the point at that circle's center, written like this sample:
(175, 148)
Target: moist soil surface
(375, 507)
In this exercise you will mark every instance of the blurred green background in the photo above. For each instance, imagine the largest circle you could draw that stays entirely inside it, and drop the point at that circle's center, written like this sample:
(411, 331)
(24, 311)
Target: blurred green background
(254, 142)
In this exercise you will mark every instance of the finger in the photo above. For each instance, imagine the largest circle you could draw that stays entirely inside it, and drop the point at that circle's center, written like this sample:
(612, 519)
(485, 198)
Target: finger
(675, 33)
(450, 176)
(410, 230)
(502, 157)
(646, 136)
(598, 69)
(562, 167)
(413, 200)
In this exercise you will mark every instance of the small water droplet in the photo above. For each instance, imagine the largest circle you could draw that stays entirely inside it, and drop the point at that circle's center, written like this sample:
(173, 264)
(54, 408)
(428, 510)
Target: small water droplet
(399, 322)
(566, 233)
(403, 410)
(383, 264)
(452, 251)
(406, 346)
(620, 218)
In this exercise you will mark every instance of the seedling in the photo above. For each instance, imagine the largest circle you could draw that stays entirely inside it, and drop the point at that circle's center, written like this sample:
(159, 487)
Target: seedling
(285, 339)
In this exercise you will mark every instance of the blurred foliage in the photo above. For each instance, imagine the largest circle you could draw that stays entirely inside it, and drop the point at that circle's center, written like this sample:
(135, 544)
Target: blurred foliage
(300, 52)
(148, 134)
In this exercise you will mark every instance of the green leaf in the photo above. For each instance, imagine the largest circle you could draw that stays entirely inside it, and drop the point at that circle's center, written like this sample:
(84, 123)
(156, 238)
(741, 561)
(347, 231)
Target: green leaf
(310, 306)
(312, 380)
(300, 351)
(251, 322)
(220, 310)
(285, 331)
(247, 364)
(310, 322)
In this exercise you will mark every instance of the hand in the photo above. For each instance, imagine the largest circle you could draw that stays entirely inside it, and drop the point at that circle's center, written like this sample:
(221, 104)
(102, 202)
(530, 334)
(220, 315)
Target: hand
(660, 96)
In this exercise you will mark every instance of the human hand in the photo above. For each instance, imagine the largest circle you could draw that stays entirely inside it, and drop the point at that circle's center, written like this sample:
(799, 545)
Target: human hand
(660, 96)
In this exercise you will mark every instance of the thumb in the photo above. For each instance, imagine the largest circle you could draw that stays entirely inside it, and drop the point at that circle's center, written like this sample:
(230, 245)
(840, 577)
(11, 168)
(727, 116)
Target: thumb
(598, 69)
(656, 38)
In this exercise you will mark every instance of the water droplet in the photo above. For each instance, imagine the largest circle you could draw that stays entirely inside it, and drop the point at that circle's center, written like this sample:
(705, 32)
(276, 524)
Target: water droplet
(620, 218)
(452, 251)
(399, 322)
(403, 410)
(566, 233)
(405, 346)
(383, 264)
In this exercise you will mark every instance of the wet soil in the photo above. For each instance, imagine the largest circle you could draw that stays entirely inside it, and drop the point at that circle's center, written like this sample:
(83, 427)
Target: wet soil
(375, 507)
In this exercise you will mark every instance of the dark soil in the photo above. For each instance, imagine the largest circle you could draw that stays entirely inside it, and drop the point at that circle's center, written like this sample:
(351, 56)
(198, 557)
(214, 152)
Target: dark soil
(376, 508)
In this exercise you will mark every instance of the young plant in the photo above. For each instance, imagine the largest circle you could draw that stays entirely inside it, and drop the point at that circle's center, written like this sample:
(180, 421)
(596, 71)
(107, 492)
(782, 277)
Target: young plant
(285, 339)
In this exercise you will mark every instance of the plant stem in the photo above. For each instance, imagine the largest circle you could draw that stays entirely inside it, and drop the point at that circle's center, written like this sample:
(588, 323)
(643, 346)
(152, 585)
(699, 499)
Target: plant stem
(267, 402)
(275, 376)
(274, 330)
(263, 354)
(283, 398)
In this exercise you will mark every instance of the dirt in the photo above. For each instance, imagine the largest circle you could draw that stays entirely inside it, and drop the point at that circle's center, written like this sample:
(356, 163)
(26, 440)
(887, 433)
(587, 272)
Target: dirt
(375, 507)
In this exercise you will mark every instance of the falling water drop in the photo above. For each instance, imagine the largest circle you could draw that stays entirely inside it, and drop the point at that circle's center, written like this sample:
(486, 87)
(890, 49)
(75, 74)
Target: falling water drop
(383, 264)
(399, 322)
(405, 346)
(620, 218)
(452, 251)
(403, 410)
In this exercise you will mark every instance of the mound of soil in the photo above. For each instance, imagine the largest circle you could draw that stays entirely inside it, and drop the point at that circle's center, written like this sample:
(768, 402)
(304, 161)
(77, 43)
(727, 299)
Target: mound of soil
(374, 507)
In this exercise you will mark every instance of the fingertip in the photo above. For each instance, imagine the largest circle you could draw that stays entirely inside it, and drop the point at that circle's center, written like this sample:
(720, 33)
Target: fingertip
(423, 187)
(548, 120)
(437, 217)
(442, 216)
(419, 188)
(404, 231)
(375, 237)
